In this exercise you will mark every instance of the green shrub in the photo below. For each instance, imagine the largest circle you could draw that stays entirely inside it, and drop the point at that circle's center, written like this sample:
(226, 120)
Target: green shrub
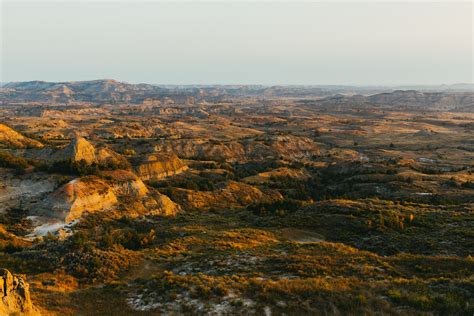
(7, 160)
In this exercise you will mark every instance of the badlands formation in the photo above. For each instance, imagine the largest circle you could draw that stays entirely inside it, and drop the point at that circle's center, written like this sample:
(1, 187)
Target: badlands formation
(123, 199)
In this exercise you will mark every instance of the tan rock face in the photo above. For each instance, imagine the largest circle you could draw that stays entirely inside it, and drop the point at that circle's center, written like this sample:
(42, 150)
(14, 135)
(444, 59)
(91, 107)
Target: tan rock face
(80, 149)
(160, 204)
(232, 194)
(118, 189)
(288, 147)
(265, 177)
(106, 155)
(87, 194)
(232, 151)
(125, 183)
(15, 294)
(158, 166)
(11, 138)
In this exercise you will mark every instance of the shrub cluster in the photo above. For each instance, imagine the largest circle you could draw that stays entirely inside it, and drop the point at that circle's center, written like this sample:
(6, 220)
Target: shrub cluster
(7, 160)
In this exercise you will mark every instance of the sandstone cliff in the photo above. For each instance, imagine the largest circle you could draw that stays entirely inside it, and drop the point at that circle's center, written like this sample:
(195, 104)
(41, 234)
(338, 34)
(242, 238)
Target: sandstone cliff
(158, 166)
(11, 138)
(15, 295)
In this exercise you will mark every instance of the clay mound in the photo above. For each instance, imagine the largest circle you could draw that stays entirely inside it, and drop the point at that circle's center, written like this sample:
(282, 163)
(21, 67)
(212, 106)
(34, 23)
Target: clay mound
(78, 149)
(15, 295)
(137, 198)
(346, 154)
(158, 166)
(294, 147)
(287, 147)
(119, 190)
(11, 138)
(126, 183)
(159, 204)
(86, 194)
(107, 156)
(231, 195)
(265, 177)
(206, 150)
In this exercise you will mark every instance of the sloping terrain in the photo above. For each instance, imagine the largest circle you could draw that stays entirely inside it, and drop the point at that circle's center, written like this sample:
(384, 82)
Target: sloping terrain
(149, 200)
(11, 138)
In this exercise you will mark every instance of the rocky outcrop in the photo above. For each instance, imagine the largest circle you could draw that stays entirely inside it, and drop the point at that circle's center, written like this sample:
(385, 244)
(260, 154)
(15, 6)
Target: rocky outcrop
(125, 183)
(114, 129)
(159, 204)
(274, 175)
(78, 149)
(86, 194)
(158, 166)
(118, 190)
(282, 147)
(275, 147)
(137, 198)
(106, 156)
(230, 195)
(205, 150)
(15, 295)
(346, 155)
(10, 138)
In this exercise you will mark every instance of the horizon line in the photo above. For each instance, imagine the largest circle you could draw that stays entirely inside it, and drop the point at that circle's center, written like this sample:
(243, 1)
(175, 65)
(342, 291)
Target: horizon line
(249, 84)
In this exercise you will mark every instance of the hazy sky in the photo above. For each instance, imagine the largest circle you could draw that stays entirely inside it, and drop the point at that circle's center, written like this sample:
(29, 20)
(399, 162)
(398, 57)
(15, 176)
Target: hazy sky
(232, 42)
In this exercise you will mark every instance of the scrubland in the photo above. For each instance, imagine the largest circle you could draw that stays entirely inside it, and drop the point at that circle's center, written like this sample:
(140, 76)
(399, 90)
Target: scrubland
(240, 206)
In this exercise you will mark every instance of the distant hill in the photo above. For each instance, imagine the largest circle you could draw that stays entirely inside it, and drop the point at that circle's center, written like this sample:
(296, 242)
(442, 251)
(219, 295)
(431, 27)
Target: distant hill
(112, 91)
(405, 100)
(79, 91)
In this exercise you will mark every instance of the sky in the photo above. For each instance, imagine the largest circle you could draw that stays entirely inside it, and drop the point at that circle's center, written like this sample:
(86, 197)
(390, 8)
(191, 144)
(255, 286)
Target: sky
(238, 42)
